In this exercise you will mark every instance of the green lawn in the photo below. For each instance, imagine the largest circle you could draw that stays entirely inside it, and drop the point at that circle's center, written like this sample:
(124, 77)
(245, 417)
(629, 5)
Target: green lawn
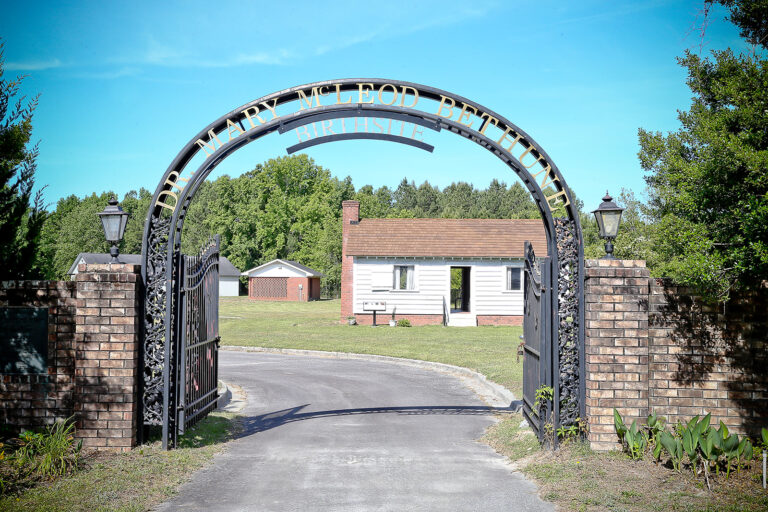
(134, 481)
(315, 326)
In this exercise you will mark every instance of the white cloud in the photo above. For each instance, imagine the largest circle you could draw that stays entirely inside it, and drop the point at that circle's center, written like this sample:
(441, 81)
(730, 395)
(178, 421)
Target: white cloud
(110, 75)
(32, 65)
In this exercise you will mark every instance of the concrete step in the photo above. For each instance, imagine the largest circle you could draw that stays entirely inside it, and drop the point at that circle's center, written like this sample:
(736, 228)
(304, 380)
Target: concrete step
(462, 320)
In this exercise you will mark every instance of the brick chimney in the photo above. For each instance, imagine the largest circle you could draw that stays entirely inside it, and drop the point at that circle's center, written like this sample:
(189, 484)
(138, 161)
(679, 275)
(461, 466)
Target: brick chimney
(350, 215)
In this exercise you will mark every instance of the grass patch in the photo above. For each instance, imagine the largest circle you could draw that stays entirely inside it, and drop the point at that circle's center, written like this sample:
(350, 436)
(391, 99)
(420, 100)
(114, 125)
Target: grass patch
(315, 326)
(131, 481)
(576, 478)
(508, 438)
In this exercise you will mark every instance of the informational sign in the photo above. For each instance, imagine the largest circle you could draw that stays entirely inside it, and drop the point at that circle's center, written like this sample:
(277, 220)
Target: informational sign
(24, 345)
(374, 306)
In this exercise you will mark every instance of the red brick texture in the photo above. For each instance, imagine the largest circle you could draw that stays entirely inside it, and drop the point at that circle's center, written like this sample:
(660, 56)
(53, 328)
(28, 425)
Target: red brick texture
(32, 401)
(616, 343)
(384, 319)
(92, 356)
(499, 319)
(310, 289)
(651, 346)
(107, 343)
(350, 216)
(709, 358)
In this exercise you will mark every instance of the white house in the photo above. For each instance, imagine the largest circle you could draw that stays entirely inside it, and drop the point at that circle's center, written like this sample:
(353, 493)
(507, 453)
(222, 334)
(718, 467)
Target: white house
(435, 271)
(229, 275)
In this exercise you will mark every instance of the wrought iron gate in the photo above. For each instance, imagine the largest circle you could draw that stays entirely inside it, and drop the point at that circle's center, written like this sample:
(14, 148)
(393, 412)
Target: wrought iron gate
(197, 332)
(537, 335)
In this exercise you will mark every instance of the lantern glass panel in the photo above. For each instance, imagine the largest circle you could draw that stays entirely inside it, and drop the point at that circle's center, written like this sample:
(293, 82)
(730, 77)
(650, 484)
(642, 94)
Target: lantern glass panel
(610, 224)
(111, 225)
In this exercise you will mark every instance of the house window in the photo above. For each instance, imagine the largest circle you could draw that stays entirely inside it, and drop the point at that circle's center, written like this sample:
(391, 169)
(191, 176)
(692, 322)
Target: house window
(404, 277)
(514, 278)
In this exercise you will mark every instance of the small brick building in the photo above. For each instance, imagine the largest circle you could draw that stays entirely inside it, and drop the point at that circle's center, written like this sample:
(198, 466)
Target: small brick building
(283, 280)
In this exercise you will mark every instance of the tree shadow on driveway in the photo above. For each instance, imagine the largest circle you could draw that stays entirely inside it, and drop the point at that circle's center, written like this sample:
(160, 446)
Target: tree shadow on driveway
(262, 422)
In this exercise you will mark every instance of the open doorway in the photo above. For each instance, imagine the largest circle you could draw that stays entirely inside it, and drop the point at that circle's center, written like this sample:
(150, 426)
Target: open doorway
(459, 289)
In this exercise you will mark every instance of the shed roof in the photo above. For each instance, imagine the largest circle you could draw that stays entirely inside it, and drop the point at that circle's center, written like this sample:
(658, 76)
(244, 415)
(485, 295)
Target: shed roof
(309, 272)
(226, 268)
(453, 238)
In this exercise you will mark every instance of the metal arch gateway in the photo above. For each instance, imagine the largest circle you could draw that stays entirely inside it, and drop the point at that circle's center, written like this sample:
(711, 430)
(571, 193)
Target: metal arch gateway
(558, 361)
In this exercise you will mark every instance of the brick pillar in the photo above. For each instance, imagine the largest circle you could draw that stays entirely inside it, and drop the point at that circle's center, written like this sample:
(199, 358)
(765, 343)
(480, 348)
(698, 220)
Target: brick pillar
(616, 344)
(107, 350)
(350, 215)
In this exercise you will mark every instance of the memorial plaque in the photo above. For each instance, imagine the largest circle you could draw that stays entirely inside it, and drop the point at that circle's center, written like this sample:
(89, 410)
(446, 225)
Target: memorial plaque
(24, 335)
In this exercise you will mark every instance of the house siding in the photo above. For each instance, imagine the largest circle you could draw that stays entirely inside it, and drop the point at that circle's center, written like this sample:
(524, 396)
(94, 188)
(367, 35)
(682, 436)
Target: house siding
(489, 299)
(431, 279)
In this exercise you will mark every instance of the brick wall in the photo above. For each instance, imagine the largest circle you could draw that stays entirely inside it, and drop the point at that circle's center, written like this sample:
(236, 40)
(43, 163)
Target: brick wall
(616, 345)
(651, 346)
(292, 289)
(350, 213)
(383, 319)
(31, 401)
(107, 342)
(709, 358)
(499, 319)
(92, 356)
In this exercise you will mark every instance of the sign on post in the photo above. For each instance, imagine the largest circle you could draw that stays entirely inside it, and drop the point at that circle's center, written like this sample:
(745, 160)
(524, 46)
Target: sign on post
(374, 306)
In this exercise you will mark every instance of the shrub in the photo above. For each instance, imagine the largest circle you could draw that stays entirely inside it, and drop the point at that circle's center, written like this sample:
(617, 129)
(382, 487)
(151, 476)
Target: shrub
(40, 455)
(403, 322)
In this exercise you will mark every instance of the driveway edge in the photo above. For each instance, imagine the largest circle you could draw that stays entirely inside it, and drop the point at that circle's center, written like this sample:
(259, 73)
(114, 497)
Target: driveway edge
(494, 394)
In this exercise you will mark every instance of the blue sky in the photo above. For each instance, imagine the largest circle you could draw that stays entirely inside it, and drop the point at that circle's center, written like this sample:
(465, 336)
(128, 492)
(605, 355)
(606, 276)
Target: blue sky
(124, 85)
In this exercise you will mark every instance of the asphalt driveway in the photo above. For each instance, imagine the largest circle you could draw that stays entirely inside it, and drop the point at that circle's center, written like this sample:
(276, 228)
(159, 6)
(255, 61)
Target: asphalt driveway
(352, 435)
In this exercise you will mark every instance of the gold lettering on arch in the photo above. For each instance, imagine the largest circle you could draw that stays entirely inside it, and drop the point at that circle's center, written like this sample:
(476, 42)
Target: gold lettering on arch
(369, 93)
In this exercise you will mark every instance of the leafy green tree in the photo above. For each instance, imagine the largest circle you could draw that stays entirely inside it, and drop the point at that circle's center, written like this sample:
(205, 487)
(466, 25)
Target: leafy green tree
(79, 230)
(634, 241)
(751, 16)
(21, 214)
(708, 181)
(500, 202)
(136, 205)
(459, 200)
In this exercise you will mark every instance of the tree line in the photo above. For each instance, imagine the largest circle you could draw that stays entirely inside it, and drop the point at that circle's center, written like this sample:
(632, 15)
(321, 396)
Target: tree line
(287, 207)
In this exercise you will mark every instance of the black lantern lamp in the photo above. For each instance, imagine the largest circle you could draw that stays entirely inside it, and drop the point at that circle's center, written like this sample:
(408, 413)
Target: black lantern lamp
(608, 216)
(113, 219)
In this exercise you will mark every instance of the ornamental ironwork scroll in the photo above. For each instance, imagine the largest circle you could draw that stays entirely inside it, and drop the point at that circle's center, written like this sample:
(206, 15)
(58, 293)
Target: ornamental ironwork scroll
(307, 110)
(568, 300)
(155, 301)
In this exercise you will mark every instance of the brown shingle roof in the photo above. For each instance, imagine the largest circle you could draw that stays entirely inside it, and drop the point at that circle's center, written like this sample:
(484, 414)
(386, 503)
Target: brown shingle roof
(458, 238)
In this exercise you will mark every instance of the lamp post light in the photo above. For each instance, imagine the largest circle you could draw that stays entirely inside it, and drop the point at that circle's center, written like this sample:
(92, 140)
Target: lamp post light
(113, 219)
(608, 216)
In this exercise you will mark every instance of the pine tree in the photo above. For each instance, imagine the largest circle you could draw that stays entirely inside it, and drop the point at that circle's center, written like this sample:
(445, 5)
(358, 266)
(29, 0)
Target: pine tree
(21, 214)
